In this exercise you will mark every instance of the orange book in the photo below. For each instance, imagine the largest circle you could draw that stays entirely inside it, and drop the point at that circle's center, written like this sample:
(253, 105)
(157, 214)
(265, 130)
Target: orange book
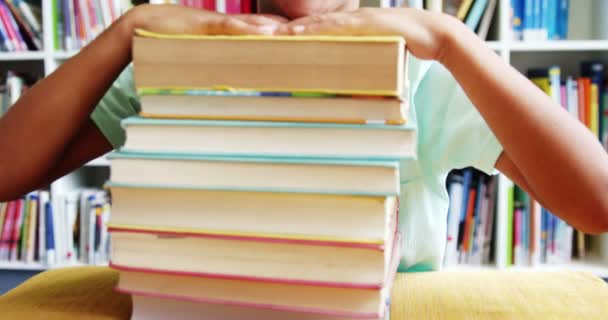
(466, 241)
(582, 100)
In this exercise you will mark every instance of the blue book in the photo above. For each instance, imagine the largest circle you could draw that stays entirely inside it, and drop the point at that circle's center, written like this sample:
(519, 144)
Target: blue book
(67, 23)
(518, 19)
(551, 17)
(562, 20)
(537, 26)
(474, 16)
(544, 19)
(528, 29)
(467, 179)
(50, 233)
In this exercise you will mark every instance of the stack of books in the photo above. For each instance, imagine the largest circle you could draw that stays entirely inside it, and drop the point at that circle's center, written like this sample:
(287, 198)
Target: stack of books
(262, 179)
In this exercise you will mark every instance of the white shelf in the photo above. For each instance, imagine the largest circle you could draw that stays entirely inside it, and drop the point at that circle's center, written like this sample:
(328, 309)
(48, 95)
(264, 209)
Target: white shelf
(560, 45)
(63, 55)
(23, 55)
(99, 162)
(21, 266)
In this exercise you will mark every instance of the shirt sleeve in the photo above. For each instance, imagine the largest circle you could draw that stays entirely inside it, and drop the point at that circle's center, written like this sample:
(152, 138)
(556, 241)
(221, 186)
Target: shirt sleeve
(452, 133)
(117, 104)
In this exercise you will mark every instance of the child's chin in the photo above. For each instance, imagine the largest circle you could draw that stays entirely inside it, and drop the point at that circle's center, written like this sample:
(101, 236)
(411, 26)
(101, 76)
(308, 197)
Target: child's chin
(294, 9)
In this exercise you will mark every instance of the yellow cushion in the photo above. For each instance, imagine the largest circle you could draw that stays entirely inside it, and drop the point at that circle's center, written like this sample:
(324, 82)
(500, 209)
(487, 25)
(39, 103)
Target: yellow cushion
(86, 293)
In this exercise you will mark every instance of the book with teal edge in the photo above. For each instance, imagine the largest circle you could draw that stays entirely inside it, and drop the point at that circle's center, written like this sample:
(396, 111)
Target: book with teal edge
(391, 164)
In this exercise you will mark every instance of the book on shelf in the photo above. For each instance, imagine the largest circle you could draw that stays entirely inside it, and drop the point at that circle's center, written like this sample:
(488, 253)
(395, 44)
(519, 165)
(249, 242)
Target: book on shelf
(44, 230)
(533, 20)
(77, 22)
(20, 26)
(584, 97)
(471, 217)
(13, 87)
(332, 227)
(223, 6)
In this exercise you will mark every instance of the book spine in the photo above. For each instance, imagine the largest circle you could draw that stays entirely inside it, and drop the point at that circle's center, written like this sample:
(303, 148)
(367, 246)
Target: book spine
(517, 19)
(552, 19)
(68, 24)
(544, 20)
(562, 20)
(7, 229)
(8, 26)
(537, 19)
(41, 244)
(246, 6)
(30, 246)
(455, 208)
(464, 8)
(581, 99)
(555, 82)
(209, 5)
(220, 6)
(528, 21)
(472, 20)
(23, 232)
(16, 230)
(49, 233)
(594, 110)
(572, 91)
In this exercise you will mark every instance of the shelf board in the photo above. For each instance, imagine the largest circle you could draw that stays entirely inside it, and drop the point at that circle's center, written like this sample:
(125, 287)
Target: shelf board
(495, 45)
(21, 266)
(595, 267)
(99, 162)
(63, 55)
(559, 45)
(21, 56)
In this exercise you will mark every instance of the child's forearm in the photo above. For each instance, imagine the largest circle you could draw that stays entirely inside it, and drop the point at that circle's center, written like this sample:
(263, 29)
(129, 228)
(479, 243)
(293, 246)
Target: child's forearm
(35, 132)
(562, 162)
(48, 132)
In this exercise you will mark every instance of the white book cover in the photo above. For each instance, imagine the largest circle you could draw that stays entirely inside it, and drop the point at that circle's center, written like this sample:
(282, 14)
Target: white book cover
(44, 198)
(220, 6)
(455, 207)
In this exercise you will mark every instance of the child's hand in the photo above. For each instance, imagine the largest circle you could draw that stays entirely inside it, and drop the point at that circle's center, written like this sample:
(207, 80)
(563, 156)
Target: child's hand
(172, 19)
(426, 33)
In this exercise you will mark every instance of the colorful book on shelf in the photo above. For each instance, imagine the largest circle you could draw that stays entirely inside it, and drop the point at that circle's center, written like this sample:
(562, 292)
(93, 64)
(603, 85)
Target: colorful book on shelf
(465, 6)
(270, 139)
(338, 301)
(314, 64)
(292, 215)
(271, 106)
(474, 16)
(306, 262)
(261, 174)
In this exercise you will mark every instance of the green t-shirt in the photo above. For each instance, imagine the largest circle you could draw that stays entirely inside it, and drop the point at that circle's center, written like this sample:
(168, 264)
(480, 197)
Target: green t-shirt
(451, 134)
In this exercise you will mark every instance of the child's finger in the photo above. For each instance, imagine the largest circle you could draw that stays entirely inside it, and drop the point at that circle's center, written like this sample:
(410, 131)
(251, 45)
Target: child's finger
(235, 26)
(329, 24)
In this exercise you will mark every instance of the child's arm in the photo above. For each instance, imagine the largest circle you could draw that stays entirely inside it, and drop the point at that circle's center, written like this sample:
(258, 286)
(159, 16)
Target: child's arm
(48, 132)
(542, 143)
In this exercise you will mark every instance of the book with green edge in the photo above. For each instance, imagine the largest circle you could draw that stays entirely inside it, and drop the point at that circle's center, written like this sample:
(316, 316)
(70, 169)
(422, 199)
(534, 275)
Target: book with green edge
(271, 63)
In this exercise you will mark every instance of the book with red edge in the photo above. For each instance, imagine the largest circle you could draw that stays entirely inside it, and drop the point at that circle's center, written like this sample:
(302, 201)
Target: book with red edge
(271, 298)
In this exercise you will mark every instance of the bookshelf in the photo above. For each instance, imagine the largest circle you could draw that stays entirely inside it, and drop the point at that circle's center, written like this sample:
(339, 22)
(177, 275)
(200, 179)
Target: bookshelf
(586, 43)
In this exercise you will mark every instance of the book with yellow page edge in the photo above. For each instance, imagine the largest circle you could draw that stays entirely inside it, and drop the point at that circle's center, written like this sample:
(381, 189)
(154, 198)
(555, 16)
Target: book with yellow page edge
(333, 79)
